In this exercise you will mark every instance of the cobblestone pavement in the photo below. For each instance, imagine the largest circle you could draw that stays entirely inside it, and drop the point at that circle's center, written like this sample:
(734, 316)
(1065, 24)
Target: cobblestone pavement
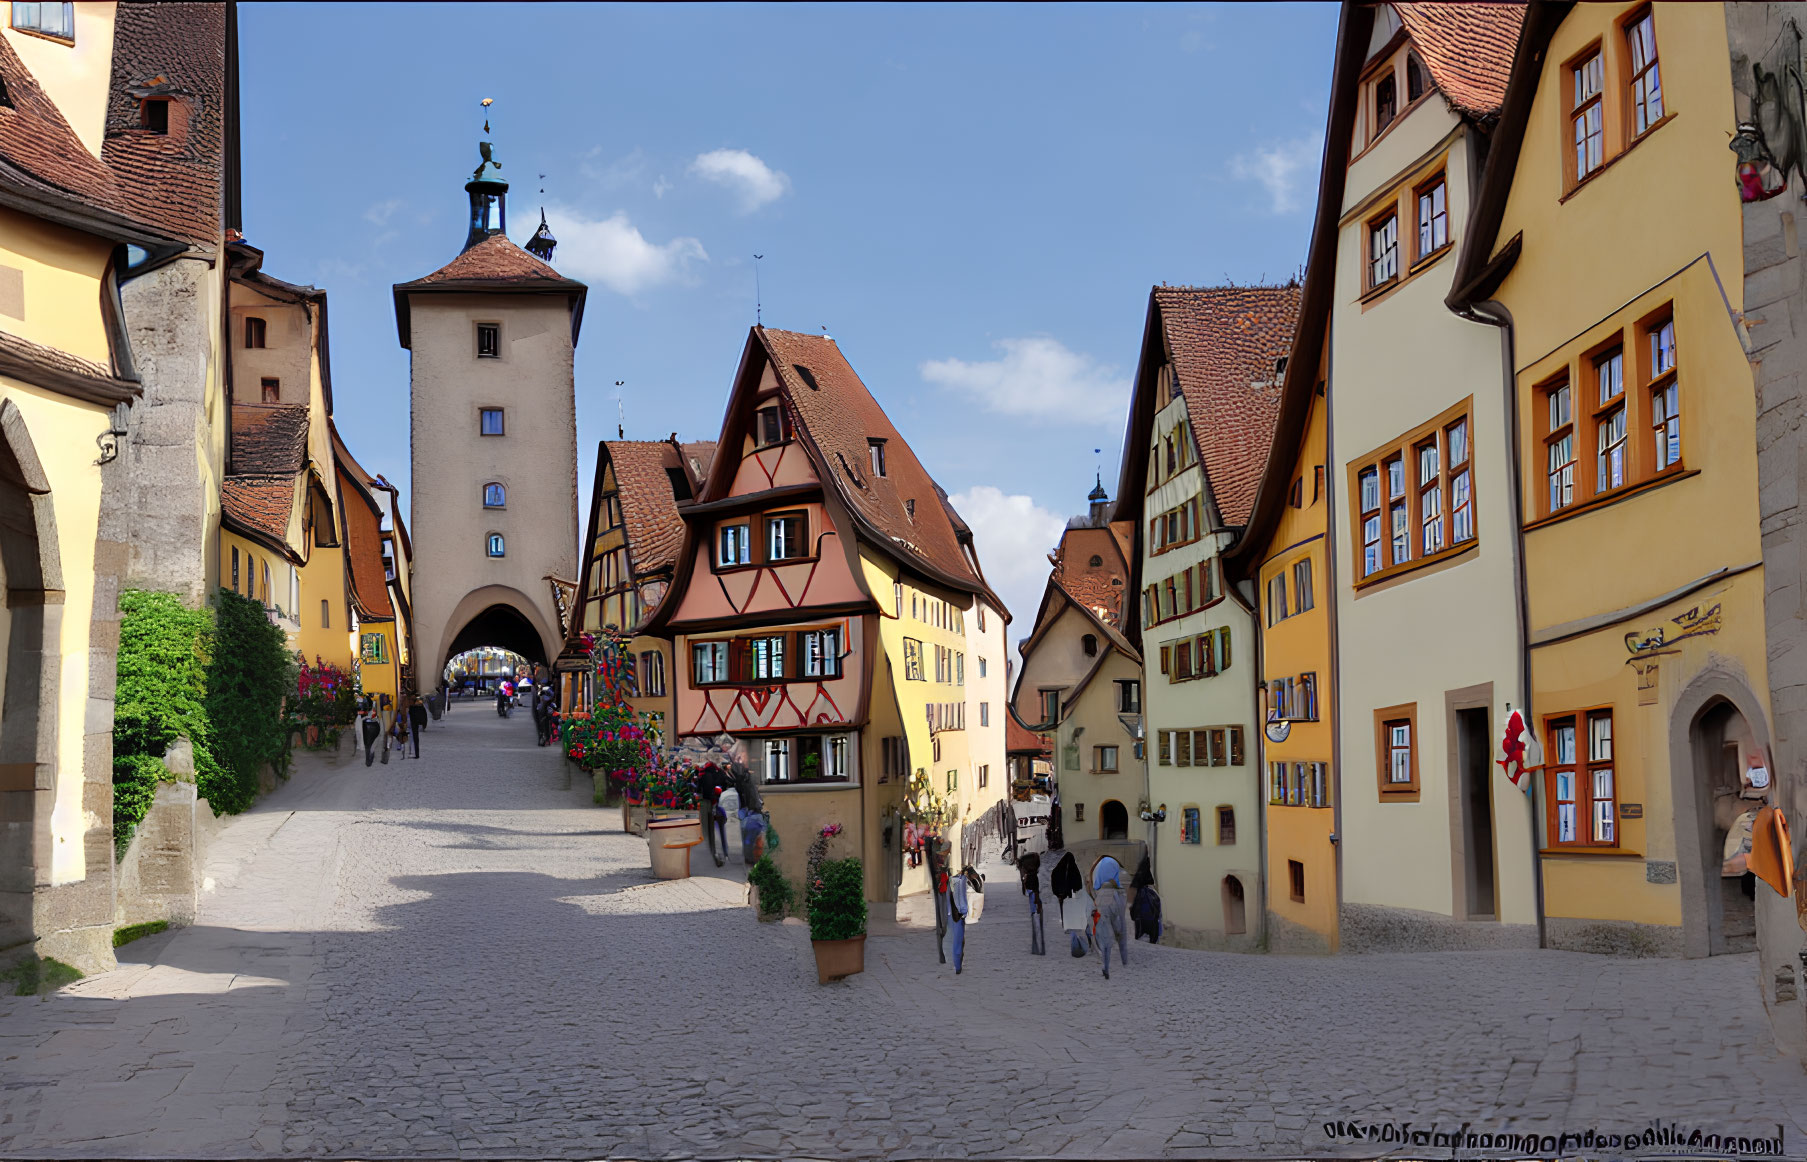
(462, 957)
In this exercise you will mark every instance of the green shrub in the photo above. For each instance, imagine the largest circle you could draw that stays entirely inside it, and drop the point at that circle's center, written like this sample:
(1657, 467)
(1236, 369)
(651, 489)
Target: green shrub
(124, 936)
(837, 901)
(249, 675)
(33, 976)
(160, 696)
(774, 890)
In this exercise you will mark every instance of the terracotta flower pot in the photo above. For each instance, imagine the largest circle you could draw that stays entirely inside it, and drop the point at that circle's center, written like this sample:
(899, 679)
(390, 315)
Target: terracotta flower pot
(838, 958)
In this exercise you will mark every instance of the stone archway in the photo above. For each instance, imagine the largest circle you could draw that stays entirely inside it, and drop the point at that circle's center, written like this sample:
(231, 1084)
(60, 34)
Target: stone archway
(500, 616)
(1718, 697)
(31, 587)
(1113, 821)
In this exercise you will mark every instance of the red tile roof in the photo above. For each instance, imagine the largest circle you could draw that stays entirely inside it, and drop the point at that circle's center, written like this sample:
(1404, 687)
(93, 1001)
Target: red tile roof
(649, 508)
(269, 439)
(363, 538)
(1019, 739)
(1468, 49)
(1225, 343)
(838, 414)
(260, 503)
(39, 149)
(174, 181)
(1099, 587)
(495, 259)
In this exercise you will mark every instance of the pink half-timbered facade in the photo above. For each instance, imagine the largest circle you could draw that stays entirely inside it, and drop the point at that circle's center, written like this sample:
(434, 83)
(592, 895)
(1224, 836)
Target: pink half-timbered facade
(814, 522)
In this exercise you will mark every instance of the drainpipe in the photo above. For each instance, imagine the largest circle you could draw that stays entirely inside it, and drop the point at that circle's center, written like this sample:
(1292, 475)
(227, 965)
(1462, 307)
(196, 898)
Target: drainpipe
(1260, 692)
(1494, 315)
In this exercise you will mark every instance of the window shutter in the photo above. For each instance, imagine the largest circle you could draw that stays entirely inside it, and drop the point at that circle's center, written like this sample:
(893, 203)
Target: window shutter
(794, 647)
(1166, 653)
(1164, 743)
(1201, 748)
(740, 662)
(1223, 648)
(1182, 748)
(1235, 746)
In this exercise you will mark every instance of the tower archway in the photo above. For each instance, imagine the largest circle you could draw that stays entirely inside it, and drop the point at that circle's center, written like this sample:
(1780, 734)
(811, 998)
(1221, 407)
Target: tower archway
(499, 616)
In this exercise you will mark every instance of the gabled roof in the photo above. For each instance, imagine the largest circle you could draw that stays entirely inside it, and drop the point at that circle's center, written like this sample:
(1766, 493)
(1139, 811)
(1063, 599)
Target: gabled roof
(173, 181)
(363, 537)
(259, 504)
(1019, 739)
(1468, 48)
(837, 416)
(493, 266)
(649, 507)
(39, 148)
(1099, 586)
(269, 439)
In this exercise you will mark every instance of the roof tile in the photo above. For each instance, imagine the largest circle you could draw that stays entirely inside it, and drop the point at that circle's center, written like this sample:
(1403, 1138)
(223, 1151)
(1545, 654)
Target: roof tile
(649, 508)
(263, 503)
(1468, 49)
(495, 259)
(1226, 343)
(269, 440)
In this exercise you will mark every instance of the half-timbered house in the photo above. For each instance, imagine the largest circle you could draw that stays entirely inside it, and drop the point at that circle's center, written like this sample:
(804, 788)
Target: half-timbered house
(829, 619)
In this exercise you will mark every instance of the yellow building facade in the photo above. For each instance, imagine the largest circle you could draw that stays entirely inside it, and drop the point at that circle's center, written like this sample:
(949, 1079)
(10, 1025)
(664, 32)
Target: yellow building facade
(1616, 254)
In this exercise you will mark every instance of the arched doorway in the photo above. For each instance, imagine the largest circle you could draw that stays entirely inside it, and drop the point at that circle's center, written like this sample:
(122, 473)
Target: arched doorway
(1235, 911)
(1113, 821)
(30, 591)
(1721, 743)
(503, 627)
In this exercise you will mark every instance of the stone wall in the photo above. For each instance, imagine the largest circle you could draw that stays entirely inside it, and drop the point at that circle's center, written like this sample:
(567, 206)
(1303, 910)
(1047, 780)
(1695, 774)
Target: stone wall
(1775, 317)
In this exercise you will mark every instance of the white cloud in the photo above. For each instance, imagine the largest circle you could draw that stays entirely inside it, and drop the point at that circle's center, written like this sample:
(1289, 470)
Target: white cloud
(1288, 170)
(660, 187)
(1039, 378)
(757, 183)
(1014, 536)
(614, 253)
(380, 213)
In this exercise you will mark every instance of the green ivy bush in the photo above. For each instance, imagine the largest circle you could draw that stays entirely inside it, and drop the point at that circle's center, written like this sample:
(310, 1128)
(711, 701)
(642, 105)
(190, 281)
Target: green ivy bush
(160, 696)
(774, 890)
(249, 675)
(837, 900)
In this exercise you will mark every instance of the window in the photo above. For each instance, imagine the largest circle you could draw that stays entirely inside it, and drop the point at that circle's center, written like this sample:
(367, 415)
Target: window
(981, 660)
(1665, 409)
(1386, 101)
(1560, 445)
(984, 717)
(272, 389)
(835, 766)
(495, 496)
(1104, 760)
(913, 660)
(984, 776)
(1182, 661)
(821, 653)
(767, 654)
(1609, 422)
(1585, 113)
(1295, 875)
(768, 426)
(652, 674)
(1414, 499)
(1302, 585)
(1276, 598)
(153, 115)
(1129, 697)
(1089, 643)
(778, 760)
(785, 538)
(1579, 783)
(265, 595)
(1207, 581)
(876, 449)
(953, 781)
(52, 19)
(734, 546)
(1646, 80)
(893, 762)
(1415, 80)
(1050, 705)
(496, 546)
(489, 341)
(255, 331)
(235, 568)
(710, 662)
(1189, 825)
(1319, 791)
(981, 630)
(490, 421)
(1396, 728)
(611, 511)
(1433, 217)
(1383, 250)
(326, 614)
(959, 668)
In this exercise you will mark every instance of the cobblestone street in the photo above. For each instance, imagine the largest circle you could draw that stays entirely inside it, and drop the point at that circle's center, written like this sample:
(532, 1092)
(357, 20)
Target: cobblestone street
(462, 957)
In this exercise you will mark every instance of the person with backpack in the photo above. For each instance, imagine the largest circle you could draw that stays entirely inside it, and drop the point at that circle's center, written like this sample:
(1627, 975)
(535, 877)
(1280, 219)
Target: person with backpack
(957, 887)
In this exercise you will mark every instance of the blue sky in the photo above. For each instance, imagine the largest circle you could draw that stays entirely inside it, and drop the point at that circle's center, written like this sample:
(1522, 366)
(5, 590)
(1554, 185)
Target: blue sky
(973, 200)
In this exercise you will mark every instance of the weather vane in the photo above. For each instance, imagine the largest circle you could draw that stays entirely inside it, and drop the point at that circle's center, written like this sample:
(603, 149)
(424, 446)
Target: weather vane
(484, 147)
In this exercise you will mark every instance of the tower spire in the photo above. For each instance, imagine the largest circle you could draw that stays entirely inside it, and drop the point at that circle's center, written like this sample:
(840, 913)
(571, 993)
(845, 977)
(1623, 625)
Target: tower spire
(488, 192)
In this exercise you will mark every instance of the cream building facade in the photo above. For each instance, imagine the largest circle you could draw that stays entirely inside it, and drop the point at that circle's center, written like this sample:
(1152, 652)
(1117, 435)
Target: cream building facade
(1435, 843)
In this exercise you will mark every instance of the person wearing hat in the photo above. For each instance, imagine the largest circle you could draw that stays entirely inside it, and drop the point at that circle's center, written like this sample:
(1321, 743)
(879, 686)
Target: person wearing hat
(1109, 911)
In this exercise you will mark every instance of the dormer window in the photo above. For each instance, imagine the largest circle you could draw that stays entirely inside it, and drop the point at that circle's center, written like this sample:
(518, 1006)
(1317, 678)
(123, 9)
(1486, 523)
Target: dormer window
(1386, 102)
(1414, 78)
(154, 115)
(910, 509)
(876, 449)
(6, 101)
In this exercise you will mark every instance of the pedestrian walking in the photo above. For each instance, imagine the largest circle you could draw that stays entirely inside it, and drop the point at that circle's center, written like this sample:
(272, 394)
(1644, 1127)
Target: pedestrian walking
(371, 728)
(398, 732)
(1029, 868)
(1145, 911)
(957, 888)
(1110, 916)
(385, 712)
(417, 720)
(1075, 909)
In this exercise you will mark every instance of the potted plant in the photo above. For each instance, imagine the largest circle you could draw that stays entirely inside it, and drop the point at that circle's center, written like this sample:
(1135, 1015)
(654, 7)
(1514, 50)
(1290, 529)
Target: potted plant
(771, 891)
(837, 918)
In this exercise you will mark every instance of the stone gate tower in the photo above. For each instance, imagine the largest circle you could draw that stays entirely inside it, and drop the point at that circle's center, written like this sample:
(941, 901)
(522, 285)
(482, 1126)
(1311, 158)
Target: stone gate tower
(494, 438)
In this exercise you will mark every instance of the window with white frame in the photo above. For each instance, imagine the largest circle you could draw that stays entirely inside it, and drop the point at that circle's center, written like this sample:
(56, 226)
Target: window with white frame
(821, 653)
(710, 661)
(734, 545)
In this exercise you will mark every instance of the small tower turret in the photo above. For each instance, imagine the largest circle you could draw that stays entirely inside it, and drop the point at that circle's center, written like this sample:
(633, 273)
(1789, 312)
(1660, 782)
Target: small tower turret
(1101, 504)
(542, 242)
(489, 198)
